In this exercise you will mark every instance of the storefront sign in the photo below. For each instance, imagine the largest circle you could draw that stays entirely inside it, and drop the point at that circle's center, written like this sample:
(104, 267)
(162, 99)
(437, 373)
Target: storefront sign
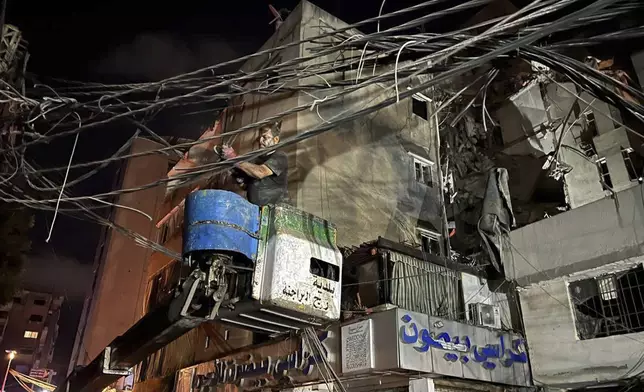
(430, 344)
(256, 373)
(461, 348)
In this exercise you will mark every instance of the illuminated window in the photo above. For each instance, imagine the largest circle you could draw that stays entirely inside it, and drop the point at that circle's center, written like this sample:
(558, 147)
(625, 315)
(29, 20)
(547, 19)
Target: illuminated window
(31, 335)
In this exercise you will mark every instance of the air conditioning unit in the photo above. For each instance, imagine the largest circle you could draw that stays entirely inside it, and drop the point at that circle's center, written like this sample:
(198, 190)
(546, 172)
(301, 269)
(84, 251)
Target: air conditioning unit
(485, 315)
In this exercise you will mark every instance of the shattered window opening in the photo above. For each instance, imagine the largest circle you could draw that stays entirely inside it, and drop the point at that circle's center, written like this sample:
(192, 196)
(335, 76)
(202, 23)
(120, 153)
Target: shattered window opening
(591, 125)
(608, 305)
(628, 155)
(419, 108)
(163, 234)
(607, 182)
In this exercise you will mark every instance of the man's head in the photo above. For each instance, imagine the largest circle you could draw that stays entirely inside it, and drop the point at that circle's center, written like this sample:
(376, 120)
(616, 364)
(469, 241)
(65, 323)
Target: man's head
(269, 135)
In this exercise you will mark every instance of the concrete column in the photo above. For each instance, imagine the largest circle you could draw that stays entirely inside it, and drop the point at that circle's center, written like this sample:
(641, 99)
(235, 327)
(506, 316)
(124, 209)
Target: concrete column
(421, 385)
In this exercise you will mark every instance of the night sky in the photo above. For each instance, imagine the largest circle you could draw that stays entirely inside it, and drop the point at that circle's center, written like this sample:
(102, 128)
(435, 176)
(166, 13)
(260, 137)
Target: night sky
(116, 42)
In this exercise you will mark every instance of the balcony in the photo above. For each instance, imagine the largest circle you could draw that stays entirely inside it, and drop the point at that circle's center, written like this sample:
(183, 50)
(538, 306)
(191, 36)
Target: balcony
(603, 232)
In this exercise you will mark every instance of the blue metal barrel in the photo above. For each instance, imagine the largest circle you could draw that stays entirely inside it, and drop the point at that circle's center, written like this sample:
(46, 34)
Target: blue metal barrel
(217, 220)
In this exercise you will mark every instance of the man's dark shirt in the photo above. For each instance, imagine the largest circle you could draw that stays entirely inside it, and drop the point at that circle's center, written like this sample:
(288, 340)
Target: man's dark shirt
(271, 189)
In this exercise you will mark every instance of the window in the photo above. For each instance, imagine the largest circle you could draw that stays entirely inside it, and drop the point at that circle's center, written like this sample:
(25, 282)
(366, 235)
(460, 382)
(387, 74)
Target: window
(633, 164)
(608, 305)
(419, 108)
(4, 314)
(31, 335)
(35, 318)
(163, 234)
(324, 270)
(40, 302)
(423, 171)
(591, 124)
(430, 241)
(604, 175)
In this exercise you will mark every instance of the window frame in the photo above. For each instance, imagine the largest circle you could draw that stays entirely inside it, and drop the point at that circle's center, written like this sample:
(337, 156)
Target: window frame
(598, 277)
(415, 102)
(424, 163)
(604, 174)
(432, 236)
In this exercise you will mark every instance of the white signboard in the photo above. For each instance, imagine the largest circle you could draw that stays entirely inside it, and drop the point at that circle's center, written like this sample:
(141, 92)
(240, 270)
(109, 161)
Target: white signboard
(357, 347)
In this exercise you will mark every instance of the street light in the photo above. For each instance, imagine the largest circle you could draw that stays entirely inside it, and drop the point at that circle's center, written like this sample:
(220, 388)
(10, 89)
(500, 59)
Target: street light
(12, 355)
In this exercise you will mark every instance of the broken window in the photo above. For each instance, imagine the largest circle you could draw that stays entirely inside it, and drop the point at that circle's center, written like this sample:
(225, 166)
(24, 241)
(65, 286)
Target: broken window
(604, 174)
(423, 171)
(430, 241)
(163, 234)
(607, 305)
(633, 163)
(591, 124)
(419, 107)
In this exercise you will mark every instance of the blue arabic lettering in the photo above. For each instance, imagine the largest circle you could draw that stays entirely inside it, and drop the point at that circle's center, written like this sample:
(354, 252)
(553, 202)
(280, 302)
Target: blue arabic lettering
(451, 357)
(409, 339)
(515, 354)
(443, 341)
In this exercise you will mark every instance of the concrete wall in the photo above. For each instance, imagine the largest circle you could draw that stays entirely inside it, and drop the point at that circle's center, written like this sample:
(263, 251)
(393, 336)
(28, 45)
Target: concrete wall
(522, 120)
(557, 356)
(593, 235)
(359, 175)
(122, 274)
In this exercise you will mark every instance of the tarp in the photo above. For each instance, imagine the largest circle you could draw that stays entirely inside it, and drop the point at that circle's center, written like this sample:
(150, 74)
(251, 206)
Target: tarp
(497, 217)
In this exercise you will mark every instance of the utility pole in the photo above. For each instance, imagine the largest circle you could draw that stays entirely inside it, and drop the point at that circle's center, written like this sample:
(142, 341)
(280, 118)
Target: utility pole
(12, 355)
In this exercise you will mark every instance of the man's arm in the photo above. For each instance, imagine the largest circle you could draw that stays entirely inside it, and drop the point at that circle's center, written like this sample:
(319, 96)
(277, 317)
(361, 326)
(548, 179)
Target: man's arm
(255, 171)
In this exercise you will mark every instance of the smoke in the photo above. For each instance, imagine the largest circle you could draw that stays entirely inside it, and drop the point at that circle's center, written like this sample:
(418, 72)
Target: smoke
(156, 56)
(60, 275)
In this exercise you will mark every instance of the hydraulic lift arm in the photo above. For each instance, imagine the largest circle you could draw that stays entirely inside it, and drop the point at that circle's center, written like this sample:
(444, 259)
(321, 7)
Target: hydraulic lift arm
(154, 331)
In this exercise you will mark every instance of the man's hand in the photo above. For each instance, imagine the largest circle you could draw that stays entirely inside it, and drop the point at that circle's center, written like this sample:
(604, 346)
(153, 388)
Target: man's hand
(228, 152)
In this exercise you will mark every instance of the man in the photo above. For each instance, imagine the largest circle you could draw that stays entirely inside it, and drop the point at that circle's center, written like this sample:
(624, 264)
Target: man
(266, 181)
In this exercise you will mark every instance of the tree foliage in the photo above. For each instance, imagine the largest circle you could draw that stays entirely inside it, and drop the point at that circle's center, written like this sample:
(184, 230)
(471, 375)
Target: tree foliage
(15, 224)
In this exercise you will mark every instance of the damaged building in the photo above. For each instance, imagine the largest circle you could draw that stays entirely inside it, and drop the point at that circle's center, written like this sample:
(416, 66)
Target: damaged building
(488, 227)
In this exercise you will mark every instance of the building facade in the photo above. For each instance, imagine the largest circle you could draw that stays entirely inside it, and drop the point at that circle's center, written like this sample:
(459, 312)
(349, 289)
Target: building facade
(116, 298)
(374, 176)
(31, 329)
(579, 274)
(578, 268)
